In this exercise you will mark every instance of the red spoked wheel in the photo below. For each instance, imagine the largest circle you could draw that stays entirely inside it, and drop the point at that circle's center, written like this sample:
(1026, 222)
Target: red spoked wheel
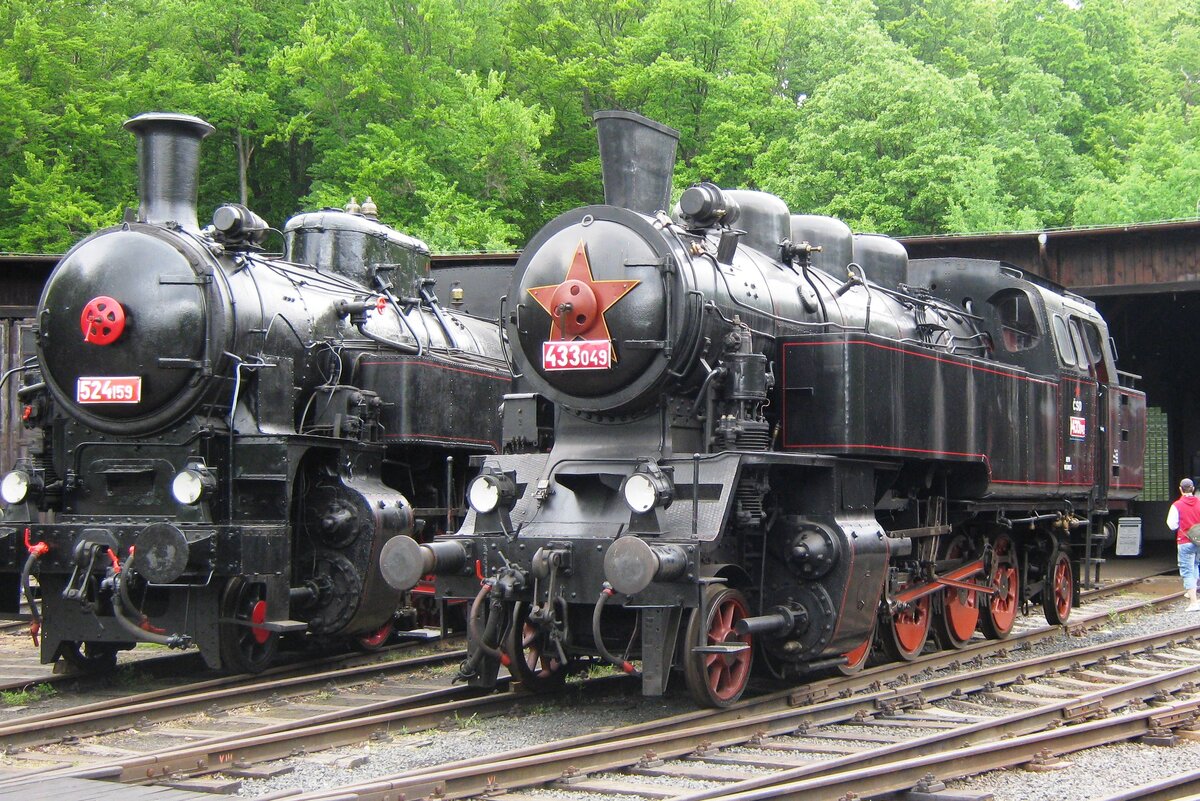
(903, 632)
(716, 658)
(1000, 612)
(535, 661)
(1058, 593)
(246, 648)
(957, 610)
(102, 321)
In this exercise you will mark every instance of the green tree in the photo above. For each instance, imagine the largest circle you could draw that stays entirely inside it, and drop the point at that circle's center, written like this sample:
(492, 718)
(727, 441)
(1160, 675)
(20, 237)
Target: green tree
(1161, 179)
(883, 146)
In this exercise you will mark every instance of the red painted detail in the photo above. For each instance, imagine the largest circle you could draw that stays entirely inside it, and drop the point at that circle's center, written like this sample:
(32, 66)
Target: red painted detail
(479, 571)
(580, 354)
(726, 674)
(957, 363)
(258, 615)
(857, 656)
(577, 305)
(952, 579)
(378, 637)
(504, 659)
(437, 437)
(27, 412)
(1003, 605)
(1064, 588)
(35, 631)
(967, 586)
(38, 549)
(108, 389)
(627, 667)
(438, 366)
(116, 561)
(102, 321)
(912, 625)
(380, 304)
(962, 610)
(830, 445)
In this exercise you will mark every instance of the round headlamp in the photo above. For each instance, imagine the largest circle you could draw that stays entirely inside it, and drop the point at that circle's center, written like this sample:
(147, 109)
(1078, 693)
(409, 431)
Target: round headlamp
(649, 486)
(640, 494)
(490, 490)
(15, 487)
(483, 494)
(190, 485)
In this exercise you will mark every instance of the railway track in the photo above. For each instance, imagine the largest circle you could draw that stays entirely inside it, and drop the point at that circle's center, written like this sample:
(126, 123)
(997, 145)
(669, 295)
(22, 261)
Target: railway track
(169, 666)
(212, 698)
(760, 735)
(376, 718)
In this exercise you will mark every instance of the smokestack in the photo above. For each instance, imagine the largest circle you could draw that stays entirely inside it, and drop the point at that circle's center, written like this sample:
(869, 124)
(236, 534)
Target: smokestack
(168, 148)
(637, 159)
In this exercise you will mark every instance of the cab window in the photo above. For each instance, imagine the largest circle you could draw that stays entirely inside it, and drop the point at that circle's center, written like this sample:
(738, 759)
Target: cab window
(1062, 342)
(1094, 342)
(1081, 356)
(1019, 329)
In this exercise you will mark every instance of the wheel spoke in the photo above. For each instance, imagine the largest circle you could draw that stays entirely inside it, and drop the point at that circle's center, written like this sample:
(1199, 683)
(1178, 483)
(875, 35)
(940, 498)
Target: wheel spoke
(534, 659)
(718, 679)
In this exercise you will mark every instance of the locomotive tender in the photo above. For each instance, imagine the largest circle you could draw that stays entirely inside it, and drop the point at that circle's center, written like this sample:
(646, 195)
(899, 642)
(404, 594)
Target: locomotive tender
(225, 441)
(777, 443)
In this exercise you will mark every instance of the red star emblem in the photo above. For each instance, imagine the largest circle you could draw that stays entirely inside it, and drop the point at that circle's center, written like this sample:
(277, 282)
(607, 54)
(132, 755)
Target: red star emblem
(577, 305)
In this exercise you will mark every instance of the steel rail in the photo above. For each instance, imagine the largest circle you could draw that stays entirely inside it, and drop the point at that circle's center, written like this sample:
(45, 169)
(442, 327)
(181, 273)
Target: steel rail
(673, 737)
(346, 727)
(1098, 704)
(1180, 787)
(423, 710)
(173, 664)
(975, 759)
(115, 714)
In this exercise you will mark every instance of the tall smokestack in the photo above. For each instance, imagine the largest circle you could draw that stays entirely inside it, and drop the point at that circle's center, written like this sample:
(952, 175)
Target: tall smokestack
(637, 159)
(168, 148)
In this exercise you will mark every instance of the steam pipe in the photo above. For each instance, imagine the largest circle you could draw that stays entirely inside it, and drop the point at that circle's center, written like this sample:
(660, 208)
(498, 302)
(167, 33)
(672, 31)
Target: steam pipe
(34, 613)
(625, 666)
(480, 638)
(141, 630)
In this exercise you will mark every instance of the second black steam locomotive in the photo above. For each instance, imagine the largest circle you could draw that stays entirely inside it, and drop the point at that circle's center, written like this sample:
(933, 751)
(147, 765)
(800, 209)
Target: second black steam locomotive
(224, 442)
(777, 443)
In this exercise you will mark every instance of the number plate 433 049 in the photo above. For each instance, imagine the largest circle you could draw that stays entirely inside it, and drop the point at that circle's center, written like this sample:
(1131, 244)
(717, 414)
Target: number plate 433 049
(580, 354)
(108, 389)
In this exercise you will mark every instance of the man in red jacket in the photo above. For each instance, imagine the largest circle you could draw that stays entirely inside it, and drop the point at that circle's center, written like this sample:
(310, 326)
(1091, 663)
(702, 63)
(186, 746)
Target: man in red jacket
(1184, 514)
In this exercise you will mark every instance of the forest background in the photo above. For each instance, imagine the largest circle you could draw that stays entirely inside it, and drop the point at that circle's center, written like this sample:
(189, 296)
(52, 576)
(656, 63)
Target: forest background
(469, 121)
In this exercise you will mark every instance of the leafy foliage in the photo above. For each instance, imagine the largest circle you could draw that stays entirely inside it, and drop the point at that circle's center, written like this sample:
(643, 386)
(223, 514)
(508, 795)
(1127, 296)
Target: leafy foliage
(469, 121)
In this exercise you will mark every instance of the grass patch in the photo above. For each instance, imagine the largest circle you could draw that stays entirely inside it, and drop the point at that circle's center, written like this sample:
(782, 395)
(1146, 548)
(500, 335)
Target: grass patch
(27, 695)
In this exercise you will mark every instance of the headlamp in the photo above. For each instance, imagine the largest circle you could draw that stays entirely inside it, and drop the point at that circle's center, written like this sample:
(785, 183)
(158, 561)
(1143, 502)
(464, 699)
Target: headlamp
(15, 487)
(490, 490)
(191, 484)
(647, 488)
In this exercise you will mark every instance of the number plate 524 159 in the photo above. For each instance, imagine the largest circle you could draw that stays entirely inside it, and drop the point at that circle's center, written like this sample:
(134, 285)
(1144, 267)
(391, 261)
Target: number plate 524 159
(108, 389)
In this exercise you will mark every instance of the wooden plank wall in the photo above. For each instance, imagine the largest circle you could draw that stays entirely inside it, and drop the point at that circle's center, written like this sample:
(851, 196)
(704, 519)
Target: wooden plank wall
(1156, 257)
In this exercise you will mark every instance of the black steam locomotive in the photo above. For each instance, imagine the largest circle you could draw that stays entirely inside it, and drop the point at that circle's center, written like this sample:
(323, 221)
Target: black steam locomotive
(224, 442)
(776, 443)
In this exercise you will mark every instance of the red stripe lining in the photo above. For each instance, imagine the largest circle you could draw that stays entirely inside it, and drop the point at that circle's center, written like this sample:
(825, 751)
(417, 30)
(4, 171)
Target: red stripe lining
(441, 366)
